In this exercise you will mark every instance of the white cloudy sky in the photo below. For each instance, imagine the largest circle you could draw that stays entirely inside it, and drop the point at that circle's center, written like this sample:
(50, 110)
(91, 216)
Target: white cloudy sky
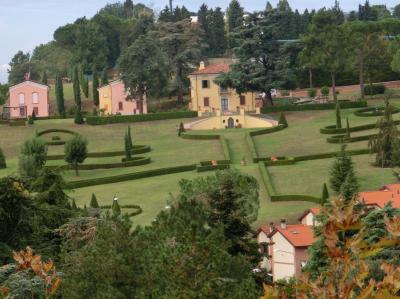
(27, 23)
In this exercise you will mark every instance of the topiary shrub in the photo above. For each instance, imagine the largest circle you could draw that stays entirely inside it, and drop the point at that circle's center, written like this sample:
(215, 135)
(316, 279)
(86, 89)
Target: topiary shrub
(181, 129)
(282, 120)
(3, 163)
(30, 120)
(325, 91)
(312, 92)
(374, 89)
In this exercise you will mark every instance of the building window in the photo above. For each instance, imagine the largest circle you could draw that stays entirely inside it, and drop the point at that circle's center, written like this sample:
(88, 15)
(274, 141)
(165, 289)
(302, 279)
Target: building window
(242, 100)
(22, 99)
(206, 102)
(22, 111)
(120, 106)
(205, 83)
(36, 110)
(35, 98)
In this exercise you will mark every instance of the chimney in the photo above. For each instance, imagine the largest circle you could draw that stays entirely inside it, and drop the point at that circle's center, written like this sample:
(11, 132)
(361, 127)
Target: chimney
(283, 223)
(271, 227)
(202, 66)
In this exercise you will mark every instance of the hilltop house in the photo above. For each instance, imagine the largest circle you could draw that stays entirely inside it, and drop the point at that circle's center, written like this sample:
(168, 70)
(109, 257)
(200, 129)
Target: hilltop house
(207, 96)
(113, 100)
(25, 98)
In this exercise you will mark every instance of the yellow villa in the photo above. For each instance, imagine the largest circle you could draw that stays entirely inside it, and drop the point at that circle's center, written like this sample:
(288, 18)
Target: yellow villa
(208, 96)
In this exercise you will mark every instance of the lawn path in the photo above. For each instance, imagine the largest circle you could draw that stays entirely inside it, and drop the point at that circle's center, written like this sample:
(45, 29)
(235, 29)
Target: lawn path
(238, 147)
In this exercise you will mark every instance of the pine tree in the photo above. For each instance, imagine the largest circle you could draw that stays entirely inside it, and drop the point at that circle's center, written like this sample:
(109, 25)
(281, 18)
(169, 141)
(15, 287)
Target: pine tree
(3, 163)
(325, 195)
(59, 90)
(338, 117)
(350, 186)
(85, 85)
(234, 15)
(342, 166)
(128, 149)
(104, 77)
(93, 202)
(282, 120)
(95, 86)
(181, 129)
(116, 208)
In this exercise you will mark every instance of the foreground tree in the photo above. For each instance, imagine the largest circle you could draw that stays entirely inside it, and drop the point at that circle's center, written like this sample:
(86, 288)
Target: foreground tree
(341, 168)
(75, 151)
(144, 69)
(383, 143)
(32, 157)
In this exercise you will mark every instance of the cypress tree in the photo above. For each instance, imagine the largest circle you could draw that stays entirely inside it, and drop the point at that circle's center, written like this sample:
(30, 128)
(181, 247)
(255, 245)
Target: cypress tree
(130, 138)
(93, 202)
(3, 163)
(338, 117)
(104, 77)
(282, 120)
(78, 119)
(342, 166)
(234, 15)
(181, 129)
(347, 128)
(95, 85)
(85, 85)
(59, 90)
(325, 195)
(116, 208)
(128, 149)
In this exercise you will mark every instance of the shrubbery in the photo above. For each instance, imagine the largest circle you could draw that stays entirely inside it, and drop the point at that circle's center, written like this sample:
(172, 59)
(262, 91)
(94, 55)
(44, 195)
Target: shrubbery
(305, 107)
(312, 92)
(325, 91)
(374, 89)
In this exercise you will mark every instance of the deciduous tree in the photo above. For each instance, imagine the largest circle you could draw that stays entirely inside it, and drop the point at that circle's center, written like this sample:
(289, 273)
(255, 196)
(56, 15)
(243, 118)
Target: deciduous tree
(75, 151)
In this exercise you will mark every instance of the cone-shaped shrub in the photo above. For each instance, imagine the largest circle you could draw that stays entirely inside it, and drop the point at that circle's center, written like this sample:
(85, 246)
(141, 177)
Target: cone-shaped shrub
(93, 202)
(325, 195)
(282, 120)
(116, 208)
(3, 163)
(181, 129)
(338, 117)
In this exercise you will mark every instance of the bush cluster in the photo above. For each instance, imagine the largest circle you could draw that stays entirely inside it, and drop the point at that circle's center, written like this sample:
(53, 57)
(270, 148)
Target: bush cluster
(374, 89)
(136, 161)
(305, 107)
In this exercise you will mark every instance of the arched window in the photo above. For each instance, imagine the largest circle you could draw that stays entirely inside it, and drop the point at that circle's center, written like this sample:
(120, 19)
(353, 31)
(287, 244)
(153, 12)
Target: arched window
(35, 98)
(22, 99)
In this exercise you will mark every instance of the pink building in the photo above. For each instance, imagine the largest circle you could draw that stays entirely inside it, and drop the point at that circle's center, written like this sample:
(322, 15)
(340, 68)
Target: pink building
(113, 100)
(25, 98)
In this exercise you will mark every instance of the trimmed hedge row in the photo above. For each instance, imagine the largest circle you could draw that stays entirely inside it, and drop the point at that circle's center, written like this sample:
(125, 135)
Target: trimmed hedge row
(280, 161)
(267, 130)
(212, 167)
(135, 162)
(137, 212)
(345, 139)
(332, 129)
(305, 107)
(252, 147)
(104, 120)
(267, 179)
(331, 155)
(295, 197)
(208, 163)
(373, 111)
(225, 148)
(137, 149)
(200, 136)
(41, 133)
(55, 142)
(17, 122)
(130, 176)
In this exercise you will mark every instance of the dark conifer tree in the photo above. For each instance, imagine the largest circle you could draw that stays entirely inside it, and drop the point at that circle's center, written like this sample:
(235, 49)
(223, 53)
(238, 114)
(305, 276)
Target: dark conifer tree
(59, 90)
(93, 202)
(95, 86)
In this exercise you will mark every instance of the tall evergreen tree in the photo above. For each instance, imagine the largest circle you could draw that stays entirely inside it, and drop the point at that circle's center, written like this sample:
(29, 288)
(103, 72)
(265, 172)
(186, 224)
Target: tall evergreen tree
(127, 147)
(325, 195)
(3, 163)
(217, 32)
(130, 137)
(366, 12)
(350, 186)
(44, 78)
(59, 90)
(203, 19)
(234, 15)
(383, 143)
(95, 86)
(78, 119)
(104, 77)
(342, 166)
(338, 116)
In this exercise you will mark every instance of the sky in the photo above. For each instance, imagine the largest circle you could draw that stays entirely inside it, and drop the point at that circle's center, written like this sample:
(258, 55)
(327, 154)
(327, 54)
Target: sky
(24, 24)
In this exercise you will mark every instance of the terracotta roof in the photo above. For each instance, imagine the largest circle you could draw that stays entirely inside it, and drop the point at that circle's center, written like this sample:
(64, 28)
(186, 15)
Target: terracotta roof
(213, 69)
(314, 211)
(386, 194)
(298, 235)
(266, 228)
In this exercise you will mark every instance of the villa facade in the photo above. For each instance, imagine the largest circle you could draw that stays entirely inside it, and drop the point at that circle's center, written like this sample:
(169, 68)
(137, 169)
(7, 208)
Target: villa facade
(208, 96)
(113, 100)
(25, 98)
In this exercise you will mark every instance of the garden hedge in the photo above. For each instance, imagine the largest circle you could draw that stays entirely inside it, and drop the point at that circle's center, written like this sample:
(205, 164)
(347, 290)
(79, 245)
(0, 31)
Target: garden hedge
(200, 136)
(295, 197)
(104, 120)
(266, 179)
(41, 133)
(281, 161)
(331, 155)
(267, 130)
(374, 89)
(17, 122)
(208, 163)
(333, 130)
(373, 111)
(135, 162)
(212, 167)
(345, 139)
(306, 107)
(55, 142)
(137, 149)
(137, 212)
(130, 176)
(252, 147)
(225, 148)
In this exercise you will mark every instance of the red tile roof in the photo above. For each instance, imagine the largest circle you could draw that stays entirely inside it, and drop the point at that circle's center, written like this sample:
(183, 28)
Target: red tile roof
(266, 228)
(213, 69)
(298, 235)
(388, 193)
